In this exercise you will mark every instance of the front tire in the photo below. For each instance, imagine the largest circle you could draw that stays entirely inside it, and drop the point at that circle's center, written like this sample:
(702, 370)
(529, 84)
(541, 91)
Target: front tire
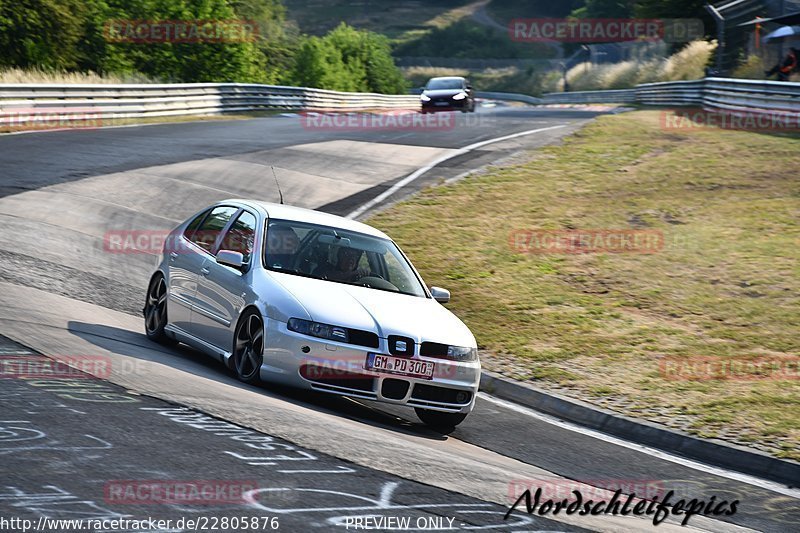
(155, 311)
(442, 422)
(248, 348)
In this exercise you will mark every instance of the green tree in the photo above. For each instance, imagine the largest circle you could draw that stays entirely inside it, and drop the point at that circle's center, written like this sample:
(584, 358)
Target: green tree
(319, 64)
(71, 35)
(599, 9)
(41, 33)
(175, 61)
(347, 59)
(278, 39)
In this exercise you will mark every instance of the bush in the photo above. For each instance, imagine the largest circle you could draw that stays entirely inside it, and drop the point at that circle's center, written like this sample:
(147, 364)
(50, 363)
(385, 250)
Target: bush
(41, 33)
(17, 75)
(751, 68)
(510, 80)
(347, 59)
(687, 64)
(68, 36)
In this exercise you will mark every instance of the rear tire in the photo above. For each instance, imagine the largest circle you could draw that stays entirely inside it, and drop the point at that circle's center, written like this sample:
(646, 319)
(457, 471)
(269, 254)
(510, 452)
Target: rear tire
(248, 348)
(442, 422)
(155, 311)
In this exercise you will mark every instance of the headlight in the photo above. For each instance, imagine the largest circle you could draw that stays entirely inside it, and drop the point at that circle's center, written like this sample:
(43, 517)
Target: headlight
(443, 351)
(461, 353)
(315, 329)
(425, 98)
(460, 96)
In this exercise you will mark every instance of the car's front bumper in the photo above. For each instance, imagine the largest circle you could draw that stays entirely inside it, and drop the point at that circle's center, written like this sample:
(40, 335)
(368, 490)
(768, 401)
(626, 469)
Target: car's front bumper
(306, 362)
(445, 105)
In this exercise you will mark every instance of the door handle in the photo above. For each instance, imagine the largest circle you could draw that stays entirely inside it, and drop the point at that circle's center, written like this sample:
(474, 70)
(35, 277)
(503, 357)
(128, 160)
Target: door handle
(173, 255)
(204, 271)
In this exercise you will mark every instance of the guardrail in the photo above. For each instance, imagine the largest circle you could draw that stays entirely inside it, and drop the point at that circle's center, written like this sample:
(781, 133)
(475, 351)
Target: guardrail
(26, 104)
(511, 97)
(30, 103)
(723, 94)
(622, 96)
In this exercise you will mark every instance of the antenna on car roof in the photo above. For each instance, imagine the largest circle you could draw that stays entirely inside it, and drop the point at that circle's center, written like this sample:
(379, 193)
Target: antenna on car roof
(277, 184)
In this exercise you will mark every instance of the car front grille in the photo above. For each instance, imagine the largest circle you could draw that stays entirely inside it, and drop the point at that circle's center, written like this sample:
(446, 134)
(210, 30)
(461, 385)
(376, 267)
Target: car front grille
(363, 338)
(401, 346)
(432, 393)
(394, 389)
(337, 378)
(433, 349)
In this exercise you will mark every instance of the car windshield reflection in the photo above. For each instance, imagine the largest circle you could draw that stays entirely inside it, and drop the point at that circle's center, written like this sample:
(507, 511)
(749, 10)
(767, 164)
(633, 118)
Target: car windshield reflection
(441, 84)
(337, 255)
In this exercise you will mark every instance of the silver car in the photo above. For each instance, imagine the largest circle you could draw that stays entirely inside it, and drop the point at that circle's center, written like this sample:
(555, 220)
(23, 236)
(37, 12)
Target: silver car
(312, 300)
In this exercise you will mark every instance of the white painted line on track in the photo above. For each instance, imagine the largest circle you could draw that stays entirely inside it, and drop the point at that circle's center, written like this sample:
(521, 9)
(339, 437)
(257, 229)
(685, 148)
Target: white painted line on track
(420, 171)
(695, 465)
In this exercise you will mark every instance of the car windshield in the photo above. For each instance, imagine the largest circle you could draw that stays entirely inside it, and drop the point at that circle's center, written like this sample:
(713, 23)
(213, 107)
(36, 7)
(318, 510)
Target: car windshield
(444, 83)
(341, 256)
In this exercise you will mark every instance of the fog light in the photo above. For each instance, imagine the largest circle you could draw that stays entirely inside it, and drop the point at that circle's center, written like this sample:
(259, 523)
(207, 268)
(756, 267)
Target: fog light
(461, 397)
(305, 349)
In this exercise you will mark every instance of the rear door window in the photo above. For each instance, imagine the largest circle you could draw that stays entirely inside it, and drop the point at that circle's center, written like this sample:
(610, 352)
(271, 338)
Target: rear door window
(241, 236)
(209, 231)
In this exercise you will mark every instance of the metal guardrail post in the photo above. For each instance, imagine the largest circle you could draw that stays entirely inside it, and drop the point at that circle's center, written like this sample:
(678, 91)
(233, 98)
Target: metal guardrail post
(41, 102)
(715, 93)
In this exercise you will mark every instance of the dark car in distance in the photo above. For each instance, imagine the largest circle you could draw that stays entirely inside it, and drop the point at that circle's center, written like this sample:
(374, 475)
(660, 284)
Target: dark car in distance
(447, 94)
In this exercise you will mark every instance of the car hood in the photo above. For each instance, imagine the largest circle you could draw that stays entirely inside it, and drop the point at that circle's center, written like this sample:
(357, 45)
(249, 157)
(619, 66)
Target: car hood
(387, 313)
(442, 92)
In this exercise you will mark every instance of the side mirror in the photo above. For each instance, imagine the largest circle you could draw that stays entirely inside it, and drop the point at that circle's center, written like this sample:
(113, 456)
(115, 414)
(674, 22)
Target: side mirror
(230, 258)
(440, 295)
(469, 87)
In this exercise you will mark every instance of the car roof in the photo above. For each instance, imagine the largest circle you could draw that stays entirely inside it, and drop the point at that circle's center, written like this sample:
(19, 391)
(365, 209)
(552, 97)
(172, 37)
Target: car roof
(299, 214)
(460, 78)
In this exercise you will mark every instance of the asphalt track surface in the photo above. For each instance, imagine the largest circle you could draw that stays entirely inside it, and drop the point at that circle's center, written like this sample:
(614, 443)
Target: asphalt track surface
(75, 468)
(60, 295)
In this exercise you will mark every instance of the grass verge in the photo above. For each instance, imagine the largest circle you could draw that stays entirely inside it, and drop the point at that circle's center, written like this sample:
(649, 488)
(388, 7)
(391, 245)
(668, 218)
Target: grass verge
(600, 326)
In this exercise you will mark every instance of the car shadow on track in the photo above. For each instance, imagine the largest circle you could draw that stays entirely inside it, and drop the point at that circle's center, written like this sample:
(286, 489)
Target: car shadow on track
(137, 346)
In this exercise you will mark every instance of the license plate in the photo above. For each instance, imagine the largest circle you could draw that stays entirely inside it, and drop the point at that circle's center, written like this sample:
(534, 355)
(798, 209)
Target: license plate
(442, 103)
(398, 365)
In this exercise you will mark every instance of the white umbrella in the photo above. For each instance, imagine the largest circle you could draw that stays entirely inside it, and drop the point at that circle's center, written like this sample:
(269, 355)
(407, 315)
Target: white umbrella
(780, 33)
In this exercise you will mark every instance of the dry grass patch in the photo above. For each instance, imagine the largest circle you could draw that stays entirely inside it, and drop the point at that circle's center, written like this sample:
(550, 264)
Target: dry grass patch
(725, 285)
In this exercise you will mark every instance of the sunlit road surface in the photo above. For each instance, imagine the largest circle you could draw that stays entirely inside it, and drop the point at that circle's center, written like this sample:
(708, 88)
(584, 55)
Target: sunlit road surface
(62, 293)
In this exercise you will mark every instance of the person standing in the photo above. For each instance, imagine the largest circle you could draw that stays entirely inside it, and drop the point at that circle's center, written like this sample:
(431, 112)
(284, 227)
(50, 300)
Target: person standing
(784, 68)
